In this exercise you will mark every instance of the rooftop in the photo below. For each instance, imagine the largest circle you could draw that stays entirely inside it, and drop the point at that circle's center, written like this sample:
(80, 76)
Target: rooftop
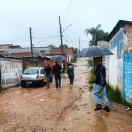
(121, 23)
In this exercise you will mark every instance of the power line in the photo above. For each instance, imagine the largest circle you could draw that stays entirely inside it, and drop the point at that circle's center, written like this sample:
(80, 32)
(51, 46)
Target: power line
(68, 11)
(78, 15)
(41, 39)
(48, 42)
(68, 37)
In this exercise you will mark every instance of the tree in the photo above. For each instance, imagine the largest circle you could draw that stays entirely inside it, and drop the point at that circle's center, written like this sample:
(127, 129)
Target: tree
(52, 46)
(64, 46)
(96, 33)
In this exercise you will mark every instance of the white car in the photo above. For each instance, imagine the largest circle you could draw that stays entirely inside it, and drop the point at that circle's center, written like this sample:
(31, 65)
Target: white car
(33, 76)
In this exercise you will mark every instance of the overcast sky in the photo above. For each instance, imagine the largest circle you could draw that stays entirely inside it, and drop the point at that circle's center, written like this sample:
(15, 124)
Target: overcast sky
(16, 16)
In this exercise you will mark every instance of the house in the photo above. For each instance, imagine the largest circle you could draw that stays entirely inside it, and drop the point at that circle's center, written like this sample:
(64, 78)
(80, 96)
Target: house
(67, 51)
(25, 52)
(120, 64)
(14, 59)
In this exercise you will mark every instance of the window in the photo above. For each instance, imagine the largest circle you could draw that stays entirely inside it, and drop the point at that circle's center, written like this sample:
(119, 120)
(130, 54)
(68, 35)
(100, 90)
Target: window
(42, 71)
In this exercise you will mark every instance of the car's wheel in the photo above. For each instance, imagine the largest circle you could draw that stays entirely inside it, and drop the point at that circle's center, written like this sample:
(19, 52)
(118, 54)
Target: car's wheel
(23, 84)
(42, 83)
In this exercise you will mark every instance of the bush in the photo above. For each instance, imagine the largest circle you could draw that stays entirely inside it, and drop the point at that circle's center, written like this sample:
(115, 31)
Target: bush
(90, 62)
(91, 79)
(114, 94)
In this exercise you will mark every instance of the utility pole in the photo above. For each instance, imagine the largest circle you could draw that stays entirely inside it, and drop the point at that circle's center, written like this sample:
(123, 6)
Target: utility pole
(79, 45)
(30, 31)
(62, 50)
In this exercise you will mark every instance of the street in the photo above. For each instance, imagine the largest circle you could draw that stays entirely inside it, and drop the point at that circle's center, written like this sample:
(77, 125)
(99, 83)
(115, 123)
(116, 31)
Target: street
(57, 110)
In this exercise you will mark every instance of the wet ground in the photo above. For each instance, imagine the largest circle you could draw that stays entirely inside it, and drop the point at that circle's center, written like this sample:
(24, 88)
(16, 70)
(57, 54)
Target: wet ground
(57, 110)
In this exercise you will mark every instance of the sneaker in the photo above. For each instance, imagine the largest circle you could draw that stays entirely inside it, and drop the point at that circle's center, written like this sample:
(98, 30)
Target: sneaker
(107, 109)
(98, 107)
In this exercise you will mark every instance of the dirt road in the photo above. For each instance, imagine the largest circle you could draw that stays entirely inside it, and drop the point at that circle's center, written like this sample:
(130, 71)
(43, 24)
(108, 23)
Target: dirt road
(65, 109)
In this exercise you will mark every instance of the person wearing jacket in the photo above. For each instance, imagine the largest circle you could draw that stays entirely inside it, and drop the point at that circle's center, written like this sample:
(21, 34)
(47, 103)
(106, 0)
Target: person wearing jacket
(100, 85)
(57, 71)
(70, 72)
(47, 70)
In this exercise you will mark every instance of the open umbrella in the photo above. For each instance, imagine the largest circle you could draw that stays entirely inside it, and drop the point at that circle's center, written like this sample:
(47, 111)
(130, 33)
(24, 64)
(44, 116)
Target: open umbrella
(57, 58)
(95, 51)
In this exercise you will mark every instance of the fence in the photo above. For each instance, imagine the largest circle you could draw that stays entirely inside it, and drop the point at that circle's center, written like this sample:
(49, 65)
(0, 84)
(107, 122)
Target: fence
(10, 72)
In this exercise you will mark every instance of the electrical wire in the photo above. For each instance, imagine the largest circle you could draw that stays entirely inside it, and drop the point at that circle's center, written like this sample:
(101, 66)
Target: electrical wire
(68, 11)
(80, 13)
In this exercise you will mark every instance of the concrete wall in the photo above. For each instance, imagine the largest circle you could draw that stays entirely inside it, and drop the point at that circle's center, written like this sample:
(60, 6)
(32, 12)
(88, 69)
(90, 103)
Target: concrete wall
(127, 39)
(115, 65)
(127, 77)
(120, 64)
(113, 68)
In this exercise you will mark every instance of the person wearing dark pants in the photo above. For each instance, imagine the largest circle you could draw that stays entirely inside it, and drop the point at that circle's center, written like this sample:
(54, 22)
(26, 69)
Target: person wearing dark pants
(100, 85)
(57, 71)
(48, 74)
(70, 72)
(58, 81)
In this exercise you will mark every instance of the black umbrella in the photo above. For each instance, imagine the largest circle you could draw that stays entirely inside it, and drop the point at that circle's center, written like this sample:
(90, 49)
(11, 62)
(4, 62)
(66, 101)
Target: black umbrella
(95, 51)
(57, 58)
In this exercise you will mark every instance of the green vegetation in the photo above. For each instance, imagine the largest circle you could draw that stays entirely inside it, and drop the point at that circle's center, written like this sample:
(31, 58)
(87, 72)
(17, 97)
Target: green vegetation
(91, 79)
(97, 34)
(114, 94)
(90, 62)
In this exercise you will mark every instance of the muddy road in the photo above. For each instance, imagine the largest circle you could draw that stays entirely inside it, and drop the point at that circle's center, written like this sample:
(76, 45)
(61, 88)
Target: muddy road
(57, 110)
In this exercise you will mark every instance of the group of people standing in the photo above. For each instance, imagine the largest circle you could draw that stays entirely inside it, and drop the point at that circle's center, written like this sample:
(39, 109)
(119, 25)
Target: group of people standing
(57, 70)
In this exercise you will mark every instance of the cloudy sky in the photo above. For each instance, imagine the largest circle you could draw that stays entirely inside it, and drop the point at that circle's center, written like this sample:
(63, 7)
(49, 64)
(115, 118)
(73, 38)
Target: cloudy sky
(16, 16)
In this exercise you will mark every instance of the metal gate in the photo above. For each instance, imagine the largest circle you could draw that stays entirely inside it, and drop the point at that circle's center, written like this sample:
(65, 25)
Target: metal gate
(10, 73)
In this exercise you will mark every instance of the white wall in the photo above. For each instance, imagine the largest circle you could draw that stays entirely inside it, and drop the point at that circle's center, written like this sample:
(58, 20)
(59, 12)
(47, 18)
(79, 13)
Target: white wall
(112, 73)
(10, 72)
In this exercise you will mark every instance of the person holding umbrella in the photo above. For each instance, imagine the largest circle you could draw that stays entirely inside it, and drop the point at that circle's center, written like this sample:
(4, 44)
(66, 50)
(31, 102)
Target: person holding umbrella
(100, 85)
(100, 73)
(57, 71)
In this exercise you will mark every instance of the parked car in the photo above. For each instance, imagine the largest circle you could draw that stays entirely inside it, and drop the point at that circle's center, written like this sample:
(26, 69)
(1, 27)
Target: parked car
(33, 76)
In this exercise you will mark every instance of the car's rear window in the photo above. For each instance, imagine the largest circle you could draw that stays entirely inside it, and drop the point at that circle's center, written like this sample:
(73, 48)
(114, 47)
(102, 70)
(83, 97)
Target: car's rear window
(31, 71)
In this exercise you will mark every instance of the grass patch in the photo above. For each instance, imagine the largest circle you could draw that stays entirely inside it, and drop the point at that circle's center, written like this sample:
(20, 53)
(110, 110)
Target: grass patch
(114, 94)
(91, 79)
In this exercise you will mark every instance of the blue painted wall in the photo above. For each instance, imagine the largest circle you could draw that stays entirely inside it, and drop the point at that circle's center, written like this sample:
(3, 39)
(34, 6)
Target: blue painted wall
(117, 42)
(127, 77)
(124, 66)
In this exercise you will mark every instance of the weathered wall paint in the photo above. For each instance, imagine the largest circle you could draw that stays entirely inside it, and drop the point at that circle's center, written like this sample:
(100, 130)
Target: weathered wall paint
(127, 77)
(120, 76)
(120, 64)
(10, 72)
(115, 61)
(113, 69)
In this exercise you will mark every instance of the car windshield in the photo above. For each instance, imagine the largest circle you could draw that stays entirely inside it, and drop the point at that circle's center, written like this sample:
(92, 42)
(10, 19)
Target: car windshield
(31, 71)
